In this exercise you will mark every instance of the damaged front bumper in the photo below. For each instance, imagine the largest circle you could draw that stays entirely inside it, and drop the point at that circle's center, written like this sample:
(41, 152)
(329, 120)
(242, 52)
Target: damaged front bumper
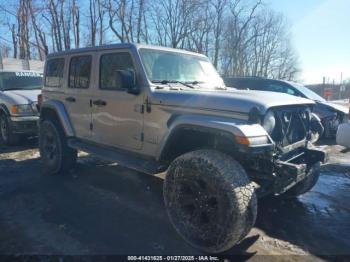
(290, 169)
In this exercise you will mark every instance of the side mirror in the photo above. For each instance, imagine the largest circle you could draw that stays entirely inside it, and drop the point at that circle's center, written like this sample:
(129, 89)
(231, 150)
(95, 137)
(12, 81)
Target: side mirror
(127, 80)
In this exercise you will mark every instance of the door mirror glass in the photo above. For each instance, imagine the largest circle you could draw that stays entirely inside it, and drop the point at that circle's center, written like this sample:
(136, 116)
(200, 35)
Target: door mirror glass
(127, 80)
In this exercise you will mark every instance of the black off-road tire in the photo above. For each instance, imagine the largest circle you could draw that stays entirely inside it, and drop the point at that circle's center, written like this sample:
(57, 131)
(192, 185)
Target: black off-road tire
(210, 200)
(305, 185)
(55, 154)
(7, 137)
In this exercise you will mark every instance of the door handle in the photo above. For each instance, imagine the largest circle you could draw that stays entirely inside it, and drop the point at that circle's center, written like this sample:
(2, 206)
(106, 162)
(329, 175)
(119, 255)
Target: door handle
(70, 99)
(99, 103)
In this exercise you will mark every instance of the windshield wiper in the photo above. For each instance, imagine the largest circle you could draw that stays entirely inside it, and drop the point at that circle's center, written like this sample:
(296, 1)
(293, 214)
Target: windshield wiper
(14, 88)
(165, 82)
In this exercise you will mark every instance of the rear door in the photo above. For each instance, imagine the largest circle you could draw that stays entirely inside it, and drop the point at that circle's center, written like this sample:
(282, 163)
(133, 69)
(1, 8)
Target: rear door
(77, 94)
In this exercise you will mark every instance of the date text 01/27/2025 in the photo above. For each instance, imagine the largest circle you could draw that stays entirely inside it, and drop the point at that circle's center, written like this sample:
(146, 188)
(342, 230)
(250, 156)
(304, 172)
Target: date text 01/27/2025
(173, 258)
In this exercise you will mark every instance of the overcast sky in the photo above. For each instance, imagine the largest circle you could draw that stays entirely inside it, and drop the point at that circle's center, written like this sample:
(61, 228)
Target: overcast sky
(321, 36)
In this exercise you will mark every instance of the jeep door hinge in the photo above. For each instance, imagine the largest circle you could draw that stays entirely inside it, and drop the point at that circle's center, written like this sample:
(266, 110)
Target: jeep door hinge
(148, 105)
(90, 102)
(91, 126)
(139, 108)
(140, 137)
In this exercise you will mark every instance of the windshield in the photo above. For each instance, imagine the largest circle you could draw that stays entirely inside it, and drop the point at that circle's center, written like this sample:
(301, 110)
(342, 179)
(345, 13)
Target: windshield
(308, 93)
(167, 67)
(20, 80)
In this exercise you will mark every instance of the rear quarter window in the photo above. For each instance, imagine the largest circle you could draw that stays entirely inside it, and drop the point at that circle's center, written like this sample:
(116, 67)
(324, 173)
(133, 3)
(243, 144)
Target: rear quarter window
(54, 72)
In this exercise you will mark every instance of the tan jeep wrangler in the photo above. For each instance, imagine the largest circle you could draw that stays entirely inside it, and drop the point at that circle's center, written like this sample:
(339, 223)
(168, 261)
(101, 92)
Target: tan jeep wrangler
(156, 109)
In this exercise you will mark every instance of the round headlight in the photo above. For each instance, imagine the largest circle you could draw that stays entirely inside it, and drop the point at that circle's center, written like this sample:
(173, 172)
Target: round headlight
(269, 122)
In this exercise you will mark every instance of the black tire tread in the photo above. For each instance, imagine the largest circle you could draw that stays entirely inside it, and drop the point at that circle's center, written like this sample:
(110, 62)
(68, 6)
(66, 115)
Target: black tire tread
(68, 155)
(237, 180)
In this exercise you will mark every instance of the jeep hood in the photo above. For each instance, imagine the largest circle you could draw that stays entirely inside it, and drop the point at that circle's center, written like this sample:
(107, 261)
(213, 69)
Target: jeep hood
(227, 100)
(21, 97)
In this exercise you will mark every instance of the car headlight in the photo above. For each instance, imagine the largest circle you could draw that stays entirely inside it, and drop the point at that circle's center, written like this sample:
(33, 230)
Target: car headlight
(269, 122)
(21, 109)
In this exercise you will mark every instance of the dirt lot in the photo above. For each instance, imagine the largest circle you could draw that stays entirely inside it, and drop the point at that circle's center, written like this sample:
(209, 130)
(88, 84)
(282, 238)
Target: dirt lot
(102, 208)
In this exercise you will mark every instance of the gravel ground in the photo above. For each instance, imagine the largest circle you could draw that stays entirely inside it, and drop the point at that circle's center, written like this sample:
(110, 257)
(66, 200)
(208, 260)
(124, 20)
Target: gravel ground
(102, 208)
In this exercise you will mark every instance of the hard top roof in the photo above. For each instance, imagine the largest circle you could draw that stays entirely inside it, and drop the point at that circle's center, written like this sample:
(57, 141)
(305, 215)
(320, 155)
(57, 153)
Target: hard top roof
(120, 46)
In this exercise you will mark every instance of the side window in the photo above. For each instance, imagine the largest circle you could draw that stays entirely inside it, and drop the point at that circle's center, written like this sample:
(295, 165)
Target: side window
(109, 64)
(276, 88)
(290, 91)
(79, 72)
(54, 72)
(254, 85)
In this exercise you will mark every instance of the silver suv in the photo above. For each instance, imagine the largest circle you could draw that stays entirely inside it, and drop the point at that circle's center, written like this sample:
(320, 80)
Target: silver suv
(19, 115)
(156, 109)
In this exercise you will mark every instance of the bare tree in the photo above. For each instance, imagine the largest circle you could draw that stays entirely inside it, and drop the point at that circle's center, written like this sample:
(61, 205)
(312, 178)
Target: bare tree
(238, 35)
(219, 8)
(139, 20)
(5, 51)
(40, 35)
(198, 38)
(93, 20)
(116, 14)
(101, 16)
(23, 29)
(65, 22)
(259, 46)
(241, 37)
(14, 39)
(174, 21)
(76, 23)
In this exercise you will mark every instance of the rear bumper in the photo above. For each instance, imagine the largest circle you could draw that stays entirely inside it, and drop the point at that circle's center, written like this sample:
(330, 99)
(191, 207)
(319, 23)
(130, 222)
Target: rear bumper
(27, 125)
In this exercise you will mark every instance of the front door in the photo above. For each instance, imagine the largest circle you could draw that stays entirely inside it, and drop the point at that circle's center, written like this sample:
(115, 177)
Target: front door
(77, 94)
(117, 115)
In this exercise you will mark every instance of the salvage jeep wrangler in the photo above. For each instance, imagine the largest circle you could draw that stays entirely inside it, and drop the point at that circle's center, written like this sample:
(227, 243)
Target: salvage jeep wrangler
(156, 109)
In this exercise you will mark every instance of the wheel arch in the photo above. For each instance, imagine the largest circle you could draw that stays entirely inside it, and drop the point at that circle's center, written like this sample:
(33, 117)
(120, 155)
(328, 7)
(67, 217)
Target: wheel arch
(53, 109)
(220, 132)
(185, 138)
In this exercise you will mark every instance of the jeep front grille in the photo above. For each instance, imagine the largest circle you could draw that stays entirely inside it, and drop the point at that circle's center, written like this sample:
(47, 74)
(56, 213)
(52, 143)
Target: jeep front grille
(292, 125)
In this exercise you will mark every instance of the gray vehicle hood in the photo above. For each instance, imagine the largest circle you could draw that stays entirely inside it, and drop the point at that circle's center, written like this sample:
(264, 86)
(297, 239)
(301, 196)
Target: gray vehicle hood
(340, 108)
(22, 97)
(226, 100)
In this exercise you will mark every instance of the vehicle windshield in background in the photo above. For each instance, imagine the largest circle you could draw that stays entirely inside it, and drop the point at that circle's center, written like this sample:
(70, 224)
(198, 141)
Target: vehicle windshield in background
(308, 93)
(20, 80)
(172, 67)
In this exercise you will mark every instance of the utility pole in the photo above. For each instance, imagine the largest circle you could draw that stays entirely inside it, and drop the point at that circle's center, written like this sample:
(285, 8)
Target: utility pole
(341, 78)
(341, 87)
